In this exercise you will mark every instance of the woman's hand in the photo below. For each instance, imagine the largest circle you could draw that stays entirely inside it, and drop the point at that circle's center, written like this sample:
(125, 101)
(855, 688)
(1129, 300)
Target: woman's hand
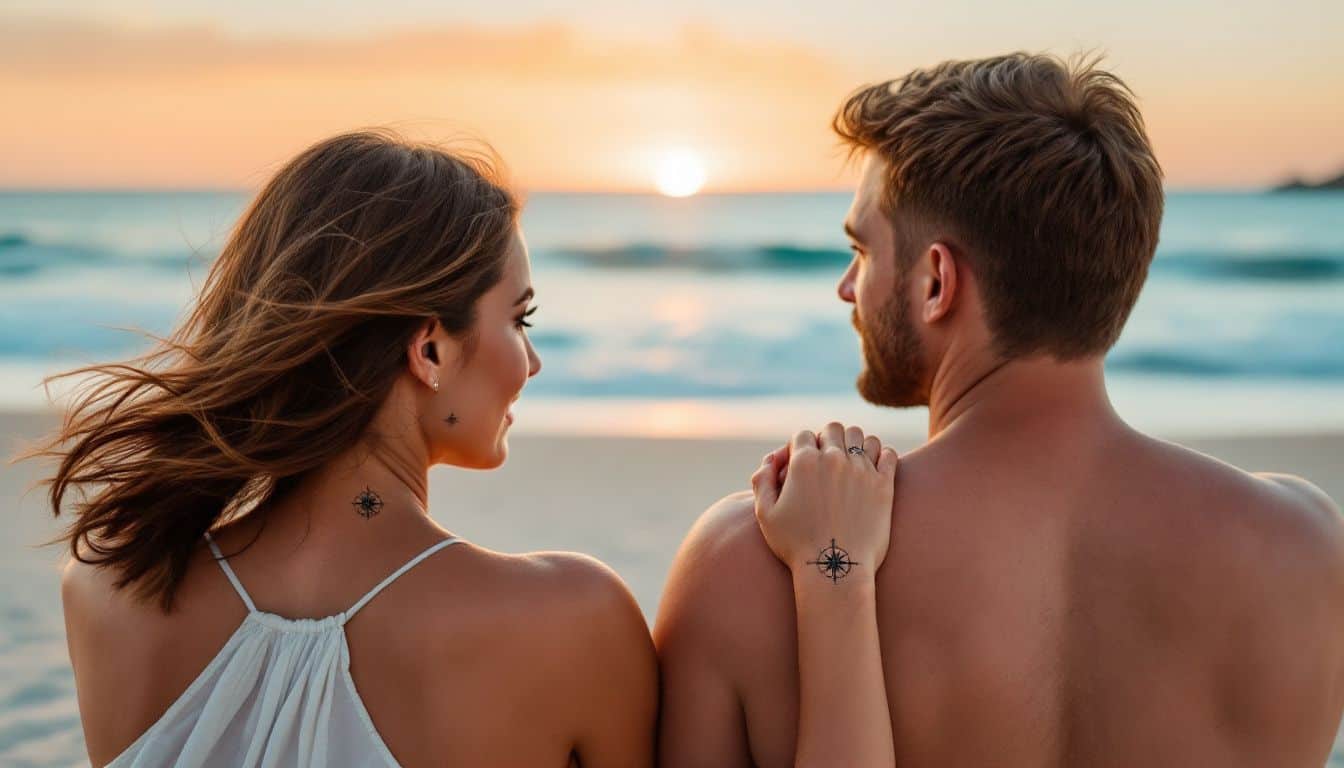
(826, 512)
(824, 508)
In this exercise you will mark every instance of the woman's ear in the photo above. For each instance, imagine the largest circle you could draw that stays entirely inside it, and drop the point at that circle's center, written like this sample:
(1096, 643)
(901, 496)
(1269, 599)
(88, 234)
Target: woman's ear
(942, 283)
(425, 353)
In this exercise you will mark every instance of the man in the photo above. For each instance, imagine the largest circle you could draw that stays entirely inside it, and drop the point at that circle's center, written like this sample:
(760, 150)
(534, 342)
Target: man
(1060, 590)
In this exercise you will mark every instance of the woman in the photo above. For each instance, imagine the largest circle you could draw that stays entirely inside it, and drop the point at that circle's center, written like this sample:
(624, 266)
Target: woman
(256, 579)
(365, 321)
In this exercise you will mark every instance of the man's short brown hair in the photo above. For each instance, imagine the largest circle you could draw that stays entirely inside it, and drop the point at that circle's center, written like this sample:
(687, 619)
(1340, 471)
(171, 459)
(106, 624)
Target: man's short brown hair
(1041, 170)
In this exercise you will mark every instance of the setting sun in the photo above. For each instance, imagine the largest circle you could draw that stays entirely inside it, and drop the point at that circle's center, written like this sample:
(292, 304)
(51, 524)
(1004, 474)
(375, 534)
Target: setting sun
(680, 173)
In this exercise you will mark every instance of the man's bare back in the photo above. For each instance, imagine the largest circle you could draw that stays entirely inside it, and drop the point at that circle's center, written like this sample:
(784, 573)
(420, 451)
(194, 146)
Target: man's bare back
(1058, 592)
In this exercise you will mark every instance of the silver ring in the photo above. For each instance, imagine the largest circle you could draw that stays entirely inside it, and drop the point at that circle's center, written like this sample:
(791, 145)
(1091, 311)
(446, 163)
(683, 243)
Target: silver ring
(856, 450)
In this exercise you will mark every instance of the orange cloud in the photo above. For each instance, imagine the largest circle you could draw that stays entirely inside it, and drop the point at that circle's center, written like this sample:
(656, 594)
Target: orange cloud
(119, 106)
(93, 104)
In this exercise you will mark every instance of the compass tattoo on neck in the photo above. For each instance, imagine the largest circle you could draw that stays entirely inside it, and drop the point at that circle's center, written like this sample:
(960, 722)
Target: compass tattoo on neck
(452, 419)
(833, 562)
(367, 503)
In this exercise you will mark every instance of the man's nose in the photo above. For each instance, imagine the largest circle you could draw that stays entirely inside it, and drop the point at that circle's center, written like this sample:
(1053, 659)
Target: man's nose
(845, 289)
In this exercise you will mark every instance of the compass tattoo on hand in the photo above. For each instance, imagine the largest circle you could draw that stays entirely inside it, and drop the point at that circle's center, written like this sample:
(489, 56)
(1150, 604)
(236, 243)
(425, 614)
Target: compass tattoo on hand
(367, 503)
(833, 562)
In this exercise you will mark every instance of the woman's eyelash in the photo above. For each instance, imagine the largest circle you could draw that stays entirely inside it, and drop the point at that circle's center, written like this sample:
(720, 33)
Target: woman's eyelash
(526, 314)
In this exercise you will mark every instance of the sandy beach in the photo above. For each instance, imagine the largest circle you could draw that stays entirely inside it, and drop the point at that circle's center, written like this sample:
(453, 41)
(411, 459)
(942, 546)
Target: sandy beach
(627, 501)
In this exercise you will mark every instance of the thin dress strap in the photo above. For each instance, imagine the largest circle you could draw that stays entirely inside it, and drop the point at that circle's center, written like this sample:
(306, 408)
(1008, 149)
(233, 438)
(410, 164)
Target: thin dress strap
(233, 578)
(408, 566)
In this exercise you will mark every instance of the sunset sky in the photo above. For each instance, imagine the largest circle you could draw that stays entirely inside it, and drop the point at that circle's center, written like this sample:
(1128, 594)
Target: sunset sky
(206, 93)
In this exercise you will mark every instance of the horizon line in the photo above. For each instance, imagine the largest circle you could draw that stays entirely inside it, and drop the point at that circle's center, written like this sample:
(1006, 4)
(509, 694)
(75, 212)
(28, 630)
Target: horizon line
(577, 192)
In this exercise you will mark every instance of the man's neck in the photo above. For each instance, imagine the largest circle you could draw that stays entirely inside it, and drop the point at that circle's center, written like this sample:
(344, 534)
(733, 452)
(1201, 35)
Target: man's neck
(1016, 393)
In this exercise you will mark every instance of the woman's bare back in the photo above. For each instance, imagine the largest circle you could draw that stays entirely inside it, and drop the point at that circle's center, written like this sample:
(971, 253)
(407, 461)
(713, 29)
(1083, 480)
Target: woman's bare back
(471, 657)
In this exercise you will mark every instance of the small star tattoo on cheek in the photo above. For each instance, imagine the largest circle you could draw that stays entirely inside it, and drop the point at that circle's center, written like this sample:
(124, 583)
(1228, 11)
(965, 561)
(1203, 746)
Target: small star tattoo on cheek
(452, 420)
(367, 503)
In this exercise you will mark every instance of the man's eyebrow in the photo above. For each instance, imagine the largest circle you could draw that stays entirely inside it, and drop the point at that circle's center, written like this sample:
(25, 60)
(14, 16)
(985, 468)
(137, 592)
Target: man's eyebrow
(528, 294)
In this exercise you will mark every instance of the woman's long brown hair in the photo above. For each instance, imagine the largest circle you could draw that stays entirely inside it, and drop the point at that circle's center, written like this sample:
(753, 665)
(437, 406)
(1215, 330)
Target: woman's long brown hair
(299, 333)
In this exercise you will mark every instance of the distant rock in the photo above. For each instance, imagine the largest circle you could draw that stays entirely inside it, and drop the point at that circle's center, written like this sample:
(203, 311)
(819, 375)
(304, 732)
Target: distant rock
(1298, 184)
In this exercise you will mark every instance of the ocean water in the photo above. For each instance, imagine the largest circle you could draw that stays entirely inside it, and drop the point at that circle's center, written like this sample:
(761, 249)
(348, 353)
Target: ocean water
(713, 315)
(718, 315)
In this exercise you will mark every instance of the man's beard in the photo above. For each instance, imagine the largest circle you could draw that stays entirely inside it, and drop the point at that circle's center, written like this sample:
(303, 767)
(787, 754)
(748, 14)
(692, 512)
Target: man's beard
(893, 359)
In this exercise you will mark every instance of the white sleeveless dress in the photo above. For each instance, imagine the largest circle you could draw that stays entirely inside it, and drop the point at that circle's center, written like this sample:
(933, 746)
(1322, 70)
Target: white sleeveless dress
(278, 694)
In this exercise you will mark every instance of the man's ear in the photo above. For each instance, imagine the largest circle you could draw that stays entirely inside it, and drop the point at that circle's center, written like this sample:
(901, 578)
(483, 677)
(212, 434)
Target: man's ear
(941, 287)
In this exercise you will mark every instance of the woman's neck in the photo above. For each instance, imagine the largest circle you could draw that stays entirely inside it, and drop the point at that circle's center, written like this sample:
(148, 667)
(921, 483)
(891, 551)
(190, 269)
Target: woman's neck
(364, 494)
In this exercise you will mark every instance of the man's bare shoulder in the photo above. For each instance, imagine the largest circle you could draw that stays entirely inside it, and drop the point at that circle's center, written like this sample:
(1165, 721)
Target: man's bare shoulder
(725, 545)
(1308, 531)
(1268, 536)
(727, 532)
(1260, 568)
(726, 587)
(1278, 508)
(1307, 498)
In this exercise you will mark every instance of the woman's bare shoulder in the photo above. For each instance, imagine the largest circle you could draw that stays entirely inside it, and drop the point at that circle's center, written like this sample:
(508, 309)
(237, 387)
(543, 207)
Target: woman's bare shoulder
(543, 623)
(83, 582)
(556, 586)
(95, 589)
(575, 601)
(93, 592)
(116, 624)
